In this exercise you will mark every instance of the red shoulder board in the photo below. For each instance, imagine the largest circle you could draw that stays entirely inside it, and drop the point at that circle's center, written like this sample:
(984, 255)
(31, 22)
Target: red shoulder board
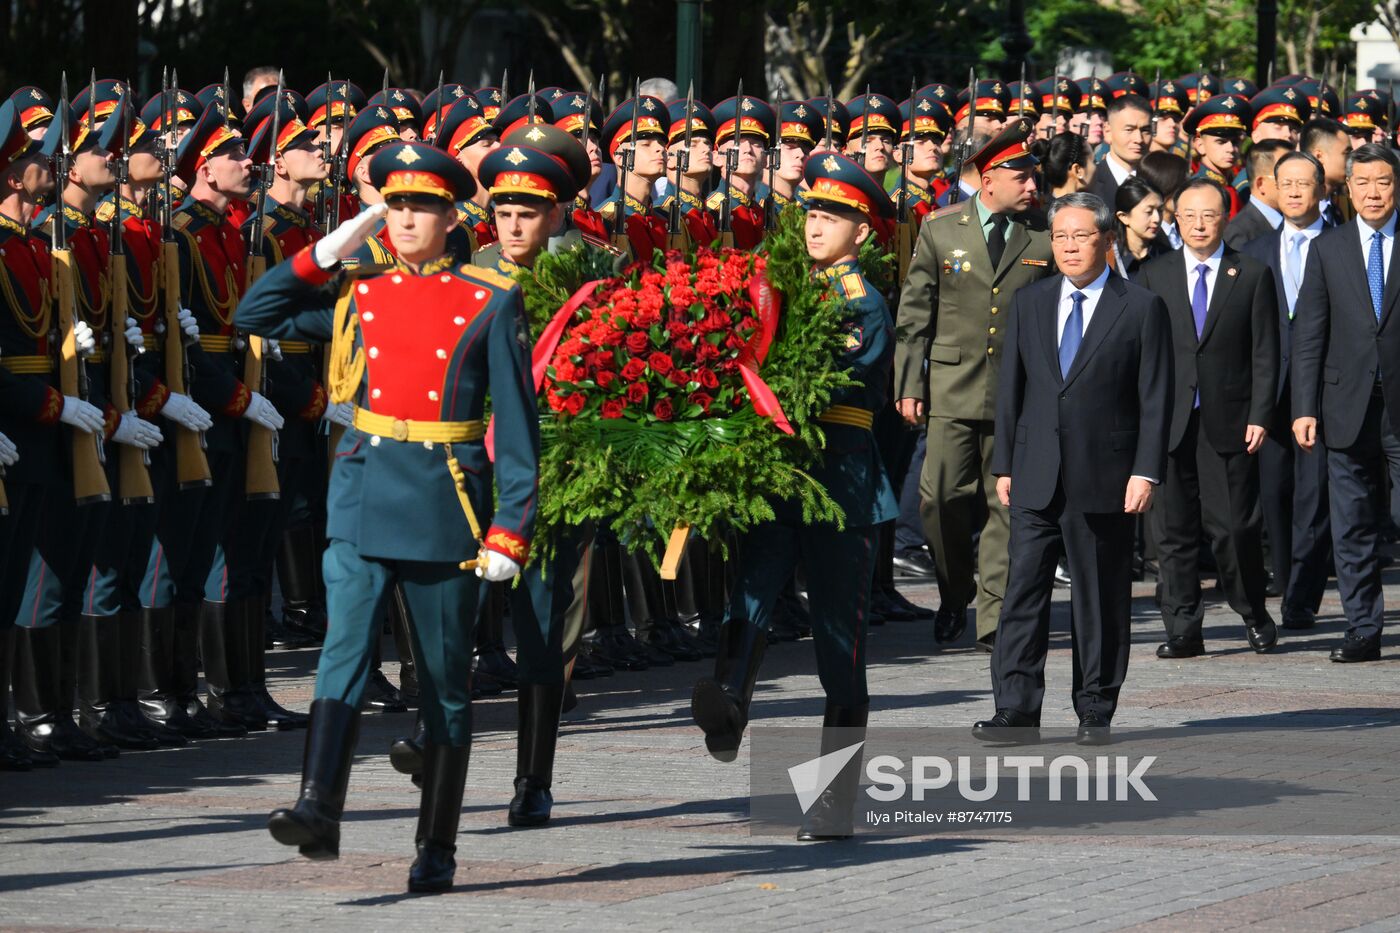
(411, 327)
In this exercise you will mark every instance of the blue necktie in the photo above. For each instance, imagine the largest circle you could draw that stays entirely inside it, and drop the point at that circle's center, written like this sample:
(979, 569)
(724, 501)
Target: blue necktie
(1200, 299)
(1375, 273)
(1293, 269)
(1074, 333)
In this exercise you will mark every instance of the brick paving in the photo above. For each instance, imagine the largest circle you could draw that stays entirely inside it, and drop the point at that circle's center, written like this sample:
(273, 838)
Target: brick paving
(649, 833)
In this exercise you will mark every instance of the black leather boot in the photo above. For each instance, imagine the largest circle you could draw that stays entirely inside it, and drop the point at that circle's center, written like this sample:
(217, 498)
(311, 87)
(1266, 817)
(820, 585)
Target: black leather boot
(493, 662)
(14, 754)
(223, 646)
(70, 634)
(657, 631)
(157, 692)
(99, 684)
(276, 716)
(536, 737)
(313, 823)
(708, 585)
(611, 642)
(399, 621)
(44, 720)
(298, 556)
(439, 813)
(830, 816)
(720, 704)
(131, 645)
(185, 674)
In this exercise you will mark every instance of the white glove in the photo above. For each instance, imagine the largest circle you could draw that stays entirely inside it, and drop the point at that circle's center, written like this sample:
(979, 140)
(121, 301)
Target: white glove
(9, 453)
(81, 415)
(133, 335)
(272, 349)
(262, 412)
(494, 567)
(83, 338)
(134, 432)
(182, 410)
(348, 237)
(189, 325)
(341, 413)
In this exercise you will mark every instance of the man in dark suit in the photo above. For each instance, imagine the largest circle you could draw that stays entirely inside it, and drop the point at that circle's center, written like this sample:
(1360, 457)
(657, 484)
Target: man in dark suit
(1128, 134)
(1261, 214)
(1225, 333)
(1083, 406)
(1346, 372)
(1293, 485)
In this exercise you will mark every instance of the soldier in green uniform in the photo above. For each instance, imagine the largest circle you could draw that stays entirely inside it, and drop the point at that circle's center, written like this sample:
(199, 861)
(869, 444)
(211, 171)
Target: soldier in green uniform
(411, 493)
(839, 563)
(968, 263)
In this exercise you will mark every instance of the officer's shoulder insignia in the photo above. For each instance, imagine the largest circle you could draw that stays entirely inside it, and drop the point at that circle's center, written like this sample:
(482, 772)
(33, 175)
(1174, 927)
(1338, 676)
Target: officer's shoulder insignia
(715, 201)
(105, 210)
(666, 204)
(853, 284)
(607, 209)
(181, 220)
(947, 210)
(487, 276)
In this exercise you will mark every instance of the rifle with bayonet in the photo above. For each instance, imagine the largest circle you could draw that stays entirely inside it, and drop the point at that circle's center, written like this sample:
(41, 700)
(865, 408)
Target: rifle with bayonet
(337, 164)
(323, 191)
(904, 219)
(1156, 107)
(629, 162)
(731, 165)
(191, 464)
(675, 233)
(133, 463)
(965, 145)
(865, 129)
(773, 157)
(89, 475)
(261, 473)
(437, 111)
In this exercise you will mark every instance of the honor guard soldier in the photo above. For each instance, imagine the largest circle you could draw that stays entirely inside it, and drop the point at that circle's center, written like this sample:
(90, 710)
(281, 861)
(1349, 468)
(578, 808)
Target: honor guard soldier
(835, 119)
(1169, 106)
(172, 115)
(632, 220)
(35, 109)
(873, 131)
(129, 535)
(411, 494)
(408, 113)
(968, 263)
(491, 101)
(990, 108)
(1093, 112)
(570, 112)
(691, 123)
(1125, 82)
(437, 103)
(467, 135)
(744, 129)
(1364, 118)
(924, 125)
(1023, 100)
(1321, 98)
(1216, 129)
(517, 113)
(839, 562)
(1240, 87)
(333, 105)
(33, 413)
(801, 129)
(1200, 87)
(532, 191)
(1059, 101)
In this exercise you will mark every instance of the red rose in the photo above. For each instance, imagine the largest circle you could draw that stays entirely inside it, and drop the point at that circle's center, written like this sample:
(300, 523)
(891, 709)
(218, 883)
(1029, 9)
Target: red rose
(605, 378)
(706, 351)
(573, 403)
(613, 408)
(703, 400)
(678, 377)
(637, 393)
(634, 370)
(685, 346)
(707, 378)
(660, 363)
(647, 316)
(637, 342)
(663, 410)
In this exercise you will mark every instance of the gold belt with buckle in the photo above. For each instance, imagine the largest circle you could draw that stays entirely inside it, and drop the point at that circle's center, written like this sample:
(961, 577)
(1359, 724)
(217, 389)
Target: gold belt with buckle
(437, 432)
(216, 343)
(848, 415)
(294, 347)
(27, 365)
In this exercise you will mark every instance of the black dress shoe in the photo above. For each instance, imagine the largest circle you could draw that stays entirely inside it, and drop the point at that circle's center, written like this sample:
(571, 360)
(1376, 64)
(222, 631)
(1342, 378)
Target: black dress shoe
(1356, 648)
(382, 695)
(1062, 574)
(1007, 727)
(1298, 619)
(1271, 589)
(1179, 647)
(531, 804)
(910, 610)
(1263, 636)
(916, 565)
(1093, 730)
(949, 623)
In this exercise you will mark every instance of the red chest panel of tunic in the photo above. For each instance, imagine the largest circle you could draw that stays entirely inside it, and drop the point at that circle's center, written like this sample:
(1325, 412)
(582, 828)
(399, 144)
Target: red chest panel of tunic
(141, 240)
(27, 259)
(90, 251)
(413, 328)
(222, 247)
(294, 239)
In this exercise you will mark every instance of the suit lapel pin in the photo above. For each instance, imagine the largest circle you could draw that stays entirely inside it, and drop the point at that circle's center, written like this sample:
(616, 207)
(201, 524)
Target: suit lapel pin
(1231, 271)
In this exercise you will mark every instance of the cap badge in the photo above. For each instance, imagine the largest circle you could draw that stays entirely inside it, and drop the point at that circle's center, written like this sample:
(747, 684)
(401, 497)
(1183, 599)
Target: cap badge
(408, 157)
(830, 164)
(535, 135)
(516, 157)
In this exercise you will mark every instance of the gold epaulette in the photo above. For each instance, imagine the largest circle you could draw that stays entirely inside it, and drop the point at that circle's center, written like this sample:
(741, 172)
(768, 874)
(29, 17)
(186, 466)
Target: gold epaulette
(853, 284)
(181, 220)
(105, 210)
(608, 209)
(489, 276)
(715, 201)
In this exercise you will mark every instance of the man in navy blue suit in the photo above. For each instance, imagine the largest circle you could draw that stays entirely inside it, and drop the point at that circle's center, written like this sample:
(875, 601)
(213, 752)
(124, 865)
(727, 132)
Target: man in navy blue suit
(1346, 384)
(1293, 485)
(1083, 409)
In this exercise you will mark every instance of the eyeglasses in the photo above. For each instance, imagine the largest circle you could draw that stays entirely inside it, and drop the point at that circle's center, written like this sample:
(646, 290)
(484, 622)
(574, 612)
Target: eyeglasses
(1205, 217)
(1300, 184)
(1081, 237)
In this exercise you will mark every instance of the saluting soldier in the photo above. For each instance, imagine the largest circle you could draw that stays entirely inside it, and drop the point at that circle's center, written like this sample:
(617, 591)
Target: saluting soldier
(840, 563)
(968, 263)
(416, 349)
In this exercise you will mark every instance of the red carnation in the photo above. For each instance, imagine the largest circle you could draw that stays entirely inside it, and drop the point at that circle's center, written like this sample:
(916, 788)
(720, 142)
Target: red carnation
(574, 402)
(634, 370)
(613, 408)
(637, 342)
(663, 410)
(637, 393)
(660, 363)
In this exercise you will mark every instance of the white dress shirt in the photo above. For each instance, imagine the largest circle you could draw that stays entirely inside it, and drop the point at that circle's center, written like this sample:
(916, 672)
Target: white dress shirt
(1271, 214)
(1286, 234)
(1118, 170)
(1365, 231)
(1212, 270)
(1172, 234)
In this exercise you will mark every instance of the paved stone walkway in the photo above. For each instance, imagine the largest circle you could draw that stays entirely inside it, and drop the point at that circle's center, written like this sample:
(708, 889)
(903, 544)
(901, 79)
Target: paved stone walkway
(650, 833)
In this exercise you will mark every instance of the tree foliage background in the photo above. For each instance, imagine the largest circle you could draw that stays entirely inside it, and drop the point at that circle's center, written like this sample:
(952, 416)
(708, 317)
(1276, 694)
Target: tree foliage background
(802, 44)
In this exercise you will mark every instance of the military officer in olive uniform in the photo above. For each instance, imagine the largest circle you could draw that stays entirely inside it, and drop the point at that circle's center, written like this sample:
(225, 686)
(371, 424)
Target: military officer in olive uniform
(969, 261)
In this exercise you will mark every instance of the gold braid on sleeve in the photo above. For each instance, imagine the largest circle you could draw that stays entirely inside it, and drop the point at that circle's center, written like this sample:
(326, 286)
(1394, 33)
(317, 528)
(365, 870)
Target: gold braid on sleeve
(347, 362)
